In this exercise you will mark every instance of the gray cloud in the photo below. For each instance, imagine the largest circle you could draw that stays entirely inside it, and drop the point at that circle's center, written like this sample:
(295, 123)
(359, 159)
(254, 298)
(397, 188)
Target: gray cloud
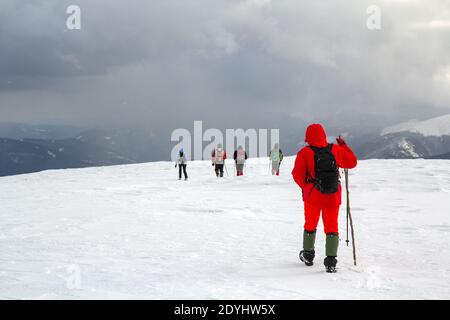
(161, 62)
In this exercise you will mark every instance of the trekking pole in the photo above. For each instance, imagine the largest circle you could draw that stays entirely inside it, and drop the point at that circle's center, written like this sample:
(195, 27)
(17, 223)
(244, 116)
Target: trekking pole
(346, 240)
(348, 204)
(214, 166)
(349, 215)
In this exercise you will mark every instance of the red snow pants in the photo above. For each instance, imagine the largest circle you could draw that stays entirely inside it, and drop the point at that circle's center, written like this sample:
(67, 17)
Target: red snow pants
(329, 217)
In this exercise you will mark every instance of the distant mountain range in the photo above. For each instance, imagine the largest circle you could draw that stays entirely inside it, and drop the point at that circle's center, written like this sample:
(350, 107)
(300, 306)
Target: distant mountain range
(409, 140)
(35, 131)
(440, 156)
(25, 148)
(99, 147)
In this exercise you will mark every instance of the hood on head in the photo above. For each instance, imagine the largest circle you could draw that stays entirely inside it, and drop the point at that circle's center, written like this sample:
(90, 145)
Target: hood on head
(315, 136)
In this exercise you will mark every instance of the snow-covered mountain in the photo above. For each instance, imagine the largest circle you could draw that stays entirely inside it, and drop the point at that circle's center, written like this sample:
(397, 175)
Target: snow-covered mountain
(435, 127)
(135, 231)
(412, 139)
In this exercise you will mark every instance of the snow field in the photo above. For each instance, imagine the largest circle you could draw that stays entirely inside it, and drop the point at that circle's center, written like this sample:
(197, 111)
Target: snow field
(135, 231)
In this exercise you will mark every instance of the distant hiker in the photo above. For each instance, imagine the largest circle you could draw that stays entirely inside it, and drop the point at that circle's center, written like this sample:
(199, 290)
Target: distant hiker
(218, 156)
(316, 171)
(182, 164)
(240, 156)
(276, 156)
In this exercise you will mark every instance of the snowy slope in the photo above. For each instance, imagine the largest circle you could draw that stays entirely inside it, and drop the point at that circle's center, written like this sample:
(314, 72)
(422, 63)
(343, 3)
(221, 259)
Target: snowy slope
(137, 232)
(435, 127)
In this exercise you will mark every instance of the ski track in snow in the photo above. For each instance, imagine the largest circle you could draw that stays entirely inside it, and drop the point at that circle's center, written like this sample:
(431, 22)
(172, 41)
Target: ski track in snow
(137, 232)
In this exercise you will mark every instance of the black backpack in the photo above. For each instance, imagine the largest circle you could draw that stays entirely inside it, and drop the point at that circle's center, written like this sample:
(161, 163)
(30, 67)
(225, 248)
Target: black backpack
(326, 170)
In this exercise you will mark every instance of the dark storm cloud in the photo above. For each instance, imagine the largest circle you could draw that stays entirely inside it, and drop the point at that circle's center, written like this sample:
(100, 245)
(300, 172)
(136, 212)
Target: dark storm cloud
(238, 61)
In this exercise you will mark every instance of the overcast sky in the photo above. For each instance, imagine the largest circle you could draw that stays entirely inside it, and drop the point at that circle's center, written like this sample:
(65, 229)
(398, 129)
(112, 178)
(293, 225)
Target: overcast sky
(162, 62)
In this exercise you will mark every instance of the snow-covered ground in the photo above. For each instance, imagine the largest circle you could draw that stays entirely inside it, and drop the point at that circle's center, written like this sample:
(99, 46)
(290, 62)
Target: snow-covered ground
(137, 232)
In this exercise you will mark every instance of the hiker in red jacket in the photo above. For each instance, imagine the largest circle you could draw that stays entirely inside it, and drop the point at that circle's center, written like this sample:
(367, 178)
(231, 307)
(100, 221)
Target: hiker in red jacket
(321, 190)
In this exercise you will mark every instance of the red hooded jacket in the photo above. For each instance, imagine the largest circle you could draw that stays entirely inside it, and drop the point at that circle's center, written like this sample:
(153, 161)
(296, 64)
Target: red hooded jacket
(304, 165)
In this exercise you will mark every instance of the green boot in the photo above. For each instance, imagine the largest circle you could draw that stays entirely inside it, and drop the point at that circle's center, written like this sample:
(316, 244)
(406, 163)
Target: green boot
(307, 254)
(309, 238)
(332, 244)
(331, 248)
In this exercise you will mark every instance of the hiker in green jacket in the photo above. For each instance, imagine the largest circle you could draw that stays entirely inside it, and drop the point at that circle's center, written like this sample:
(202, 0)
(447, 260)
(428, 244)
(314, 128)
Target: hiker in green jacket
(276, 156)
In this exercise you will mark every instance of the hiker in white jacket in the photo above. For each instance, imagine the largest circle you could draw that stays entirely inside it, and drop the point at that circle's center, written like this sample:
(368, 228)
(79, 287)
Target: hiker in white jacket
(182, 164)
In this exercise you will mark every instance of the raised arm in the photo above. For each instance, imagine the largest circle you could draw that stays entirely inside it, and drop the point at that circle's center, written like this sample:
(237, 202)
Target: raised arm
(345, 157)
